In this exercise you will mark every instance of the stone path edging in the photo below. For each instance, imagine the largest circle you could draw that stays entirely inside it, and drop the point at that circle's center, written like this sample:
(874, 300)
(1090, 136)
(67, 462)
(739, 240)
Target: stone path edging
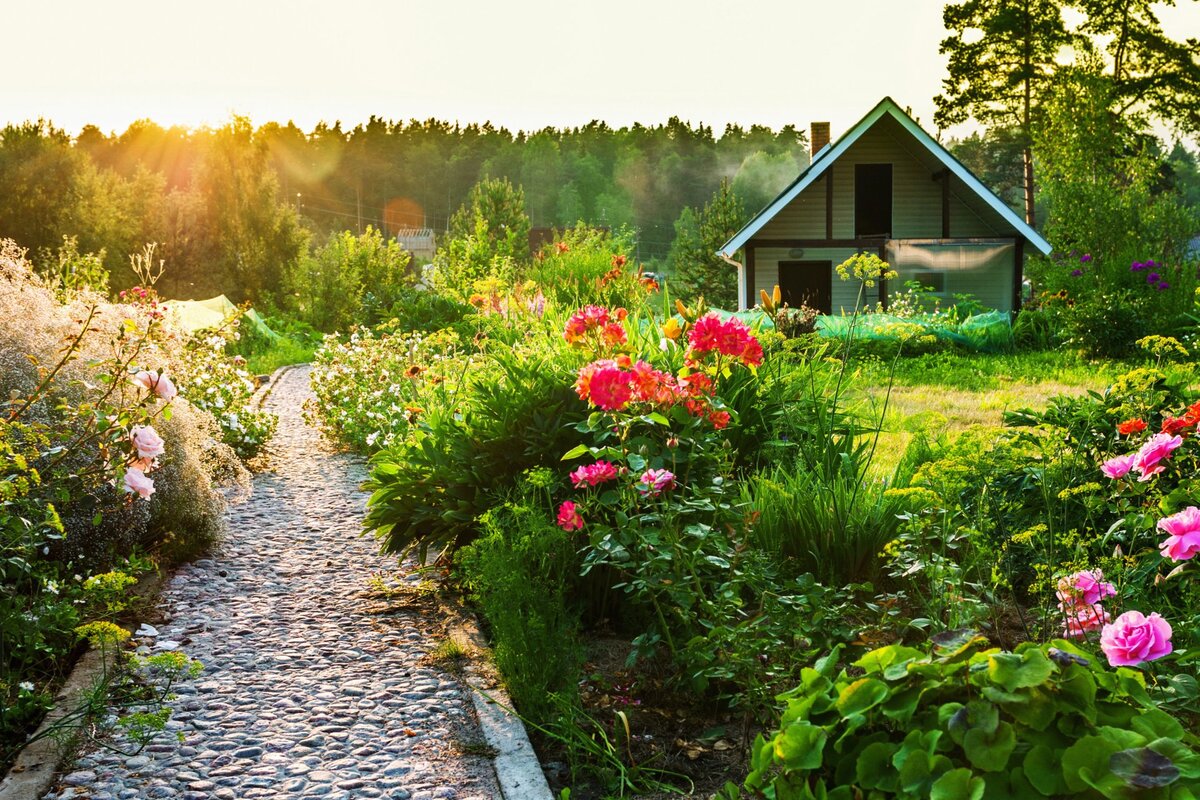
(318, 680)
(35, 767)
(517, 766)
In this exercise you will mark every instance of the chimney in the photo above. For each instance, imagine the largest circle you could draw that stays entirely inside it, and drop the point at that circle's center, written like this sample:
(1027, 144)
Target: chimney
(820, 136)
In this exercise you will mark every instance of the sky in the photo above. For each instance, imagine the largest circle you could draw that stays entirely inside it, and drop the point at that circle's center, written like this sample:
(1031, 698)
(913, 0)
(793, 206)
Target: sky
(524, 64)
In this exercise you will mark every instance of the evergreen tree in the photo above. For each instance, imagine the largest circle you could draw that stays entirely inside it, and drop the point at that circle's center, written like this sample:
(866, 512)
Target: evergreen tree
(495, 211)
(1001, 62)
(693, 258)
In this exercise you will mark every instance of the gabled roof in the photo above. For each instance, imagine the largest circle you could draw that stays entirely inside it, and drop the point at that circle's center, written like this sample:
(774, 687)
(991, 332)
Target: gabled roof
(830, 153)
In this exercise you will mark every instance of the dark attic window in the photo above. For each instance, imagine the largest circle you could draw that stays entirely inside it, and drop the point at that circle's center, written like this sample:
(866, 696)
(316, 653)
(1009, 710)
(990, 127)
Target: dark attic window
(872, 200)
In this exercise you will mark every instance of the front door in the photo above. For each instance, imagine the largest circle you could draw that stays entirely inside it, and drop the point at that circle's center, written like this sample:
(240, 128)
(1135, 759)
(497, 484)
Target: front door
(807, 283)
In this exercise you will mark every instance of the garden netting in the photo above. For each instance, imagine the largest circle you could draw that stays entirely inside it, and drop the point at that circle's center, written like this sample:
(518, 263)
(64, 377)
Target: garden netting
(989, 332)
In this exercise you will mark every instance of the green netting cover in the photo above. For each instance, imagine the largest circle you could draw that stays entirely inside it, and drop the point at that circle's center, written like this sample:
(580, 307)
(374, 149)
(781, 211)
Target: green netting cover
(194, 315)
(989, 332)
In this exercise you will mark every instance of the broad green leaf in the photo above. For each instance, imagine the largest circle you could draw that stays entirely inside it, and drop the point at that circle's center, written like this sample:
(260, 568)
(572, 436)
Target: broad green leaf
(799, 746)
(1143, 768)
(990, 751)
(1018, 671)
(575, 452)
(874, 768)
(957, 784)
(1154, 723)
(1043, 770)
(863, 694)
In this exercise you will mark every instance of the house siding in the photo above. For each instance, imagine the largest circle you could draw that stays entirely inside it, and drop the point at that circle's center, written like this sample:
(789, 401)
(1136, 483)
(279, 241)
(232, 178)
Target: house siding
(916, 198)
(983, 270)
(845, 293)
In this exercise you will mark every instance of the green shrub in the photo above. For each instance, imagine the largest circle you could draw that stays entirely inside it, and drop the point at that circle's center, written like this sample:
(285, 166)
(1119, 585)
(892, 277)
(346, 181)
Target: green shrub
(428, 489)
(520, 572)
(350, 280)
(961, 722)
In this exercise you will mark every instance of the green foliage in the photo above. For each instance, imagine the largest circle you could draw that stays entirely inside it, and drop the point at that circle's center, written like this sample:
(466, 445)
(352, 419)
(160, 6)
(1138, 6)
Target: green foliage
(520, 572)
(489, 238)
(72, 272)
(474, 439)
(699, 235)
(349, 280)
(1043, 721)
(219, 383)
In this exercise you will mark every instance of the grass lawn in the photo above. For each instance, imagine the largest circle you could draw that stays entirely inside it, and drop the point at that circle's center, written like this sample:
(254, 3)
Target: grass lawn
(946, 393)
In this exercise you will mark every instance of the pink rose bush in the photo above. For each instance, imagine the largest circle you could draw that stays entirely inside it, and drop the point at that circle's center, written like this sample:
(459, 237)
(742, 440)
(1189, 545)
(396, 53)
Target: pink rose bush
(160, 385)
(1079, 596)
(1118, 467)
(656, 481)
(1183, 539)
(594, 474)
(569, 518)
(137, 483)
(1133, 638)
(1148, 460)
(146, 441)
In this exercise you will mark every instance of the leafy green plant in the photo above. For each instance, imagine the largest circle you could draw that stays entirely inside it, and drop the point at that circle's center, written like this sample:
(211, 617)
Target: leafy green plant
(521, 572)
(965, 722)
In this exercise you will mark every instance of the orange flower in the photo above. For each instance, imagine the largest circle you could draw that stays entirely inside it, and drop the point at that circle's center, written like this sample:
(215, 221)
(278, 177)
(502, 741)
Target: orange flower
(619, 261)
(563, 247)
(1129, 426)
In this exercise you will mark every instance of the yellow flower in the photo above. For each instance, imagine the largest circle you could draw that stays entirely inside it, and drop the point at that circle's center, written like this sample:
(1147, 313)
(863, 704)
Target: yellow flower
(671, 329)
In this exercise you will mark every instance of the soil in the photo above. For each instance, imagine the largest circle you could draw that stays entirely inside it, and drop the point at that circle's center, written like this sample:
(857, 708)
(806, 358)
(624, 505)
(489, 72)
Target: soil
(673, 737)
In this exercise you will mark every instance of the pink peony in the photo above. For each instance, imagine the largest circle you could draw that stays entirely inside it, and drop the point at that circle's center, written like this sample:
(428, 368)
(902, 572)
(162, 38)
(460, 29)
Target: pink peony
(1118, 467)
(1085, 588)
(568, 517)
(1158, 447)
(146, 441)
(1134, 638)
(610, 388)
(137, 483)
(593, 474)
(656, 481)
(1183, 529)
(1080, 620)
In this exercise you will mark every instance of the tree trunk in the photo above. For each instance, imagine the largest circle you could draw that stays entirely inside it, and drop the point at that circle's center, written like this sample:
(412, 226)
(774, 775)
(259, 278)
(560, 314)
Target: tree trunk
(1027, 154)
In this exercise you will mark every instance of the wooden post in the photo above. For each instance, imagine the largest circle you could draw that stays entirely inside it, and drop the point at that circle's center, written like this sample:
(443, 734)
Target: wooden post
(749, 277)
(1018, 272)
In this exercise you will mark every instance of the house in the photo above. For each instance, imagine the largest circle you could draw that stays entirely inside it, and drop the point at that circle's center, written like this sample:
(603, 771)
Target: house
(887, 187)
(418, 243)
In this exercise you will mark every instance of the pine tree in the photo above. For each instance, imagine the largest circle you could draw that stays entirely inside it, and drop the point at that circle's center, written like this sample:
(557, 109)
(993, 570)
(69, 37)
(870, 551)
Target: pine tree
(694, 260)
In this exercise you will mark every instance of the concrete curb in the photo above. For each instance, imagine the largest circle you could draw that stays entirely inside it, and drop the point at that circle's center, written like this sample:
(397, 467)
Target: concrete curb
(39, 763)
(263, 392)
(517, 767)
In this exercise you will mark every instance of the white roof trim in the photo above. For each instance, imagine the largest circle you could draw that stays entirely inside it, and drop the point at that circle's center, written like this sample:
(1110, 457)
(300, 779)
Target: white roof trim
(827, 155)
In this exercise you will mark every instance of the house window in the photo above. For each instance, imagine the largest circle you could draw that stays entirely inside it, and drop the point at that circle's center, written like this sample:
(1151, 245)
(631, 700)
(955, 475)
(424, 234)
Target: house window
(933, 282)
(872, 200)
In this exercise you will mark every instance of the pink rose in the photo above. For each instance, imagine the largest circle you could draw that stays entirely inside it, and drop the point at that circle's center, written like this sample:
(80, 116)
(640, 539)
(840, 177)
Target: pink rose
(1134, 638)
(594, 474)
(656, 481)
(146, 441)
(145, 379)
(1085, 588)
(1080, 620)
(137, 483)
(568, 517)
(1183, 541)
(151, 381)
(1118, 467)
(1157, 447)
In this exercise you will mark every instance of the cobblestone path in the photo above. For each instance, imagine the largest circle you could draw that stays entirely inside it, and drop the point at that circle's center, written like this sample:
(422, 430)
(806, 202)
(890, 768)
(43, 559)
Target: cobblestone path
(307, 691)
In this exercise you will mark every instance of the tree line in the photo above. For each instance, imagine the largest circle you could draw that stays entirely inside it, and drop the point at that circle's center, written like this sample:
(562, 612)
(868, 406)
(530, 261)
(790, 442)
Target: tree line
(231, 207)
